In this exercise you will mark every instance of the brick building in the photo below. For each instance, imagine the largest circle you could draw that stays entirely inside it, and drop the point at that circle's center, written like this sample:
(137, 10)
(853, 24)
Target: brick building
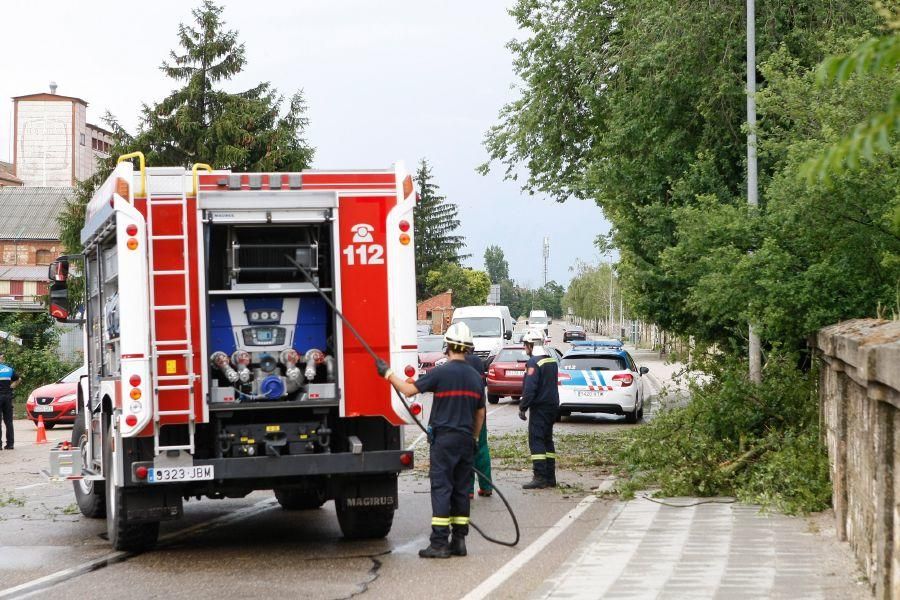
(437, 310)
(29, 241)
(53, 144)
(7, 177)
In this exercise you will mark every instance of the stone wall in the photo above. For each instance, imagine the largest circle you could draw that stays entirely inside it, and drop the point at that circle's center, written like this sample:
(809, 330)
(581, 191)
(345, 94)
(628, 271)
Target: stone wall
(860, 406)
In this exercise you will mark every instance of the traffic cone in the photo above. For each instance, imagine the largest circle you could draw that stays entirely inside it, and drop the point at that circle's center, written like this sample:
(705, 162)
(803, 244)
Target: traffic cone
(41, 431)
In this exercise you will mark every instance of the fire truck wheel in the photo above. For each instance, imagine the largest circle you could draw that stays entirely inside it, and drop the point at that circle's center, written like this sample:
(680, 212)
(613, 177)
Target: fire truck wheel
(88, 494)
(364, 523)
(131, 537)
(294, 499)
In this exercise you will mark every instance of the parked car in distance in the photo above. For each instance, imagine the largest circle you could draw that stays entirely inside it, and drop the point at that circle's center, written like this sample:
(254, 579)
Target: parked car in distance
(56, 402)
(574, 332)
(601, 379)
(431, 350)
(506, 375)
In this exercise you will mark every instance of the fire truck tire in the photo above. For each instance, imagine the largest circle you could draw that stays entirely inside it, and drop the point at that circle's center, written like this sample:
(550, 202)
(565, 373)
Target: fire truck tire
(89, 495)
(294, 499)
(365, 523)
(130, 537)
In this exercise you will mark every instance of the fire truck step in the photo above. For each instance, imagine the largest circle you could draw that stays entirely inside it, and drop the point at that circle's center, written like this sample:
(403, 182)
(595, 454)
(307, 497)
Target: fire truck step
(181, 272)
(175, 387)
(165, 448)
(166, 202)
(171, 342)
(171, 307)
(166, 413)
(166, 237)
(175, 377)
(183, 352)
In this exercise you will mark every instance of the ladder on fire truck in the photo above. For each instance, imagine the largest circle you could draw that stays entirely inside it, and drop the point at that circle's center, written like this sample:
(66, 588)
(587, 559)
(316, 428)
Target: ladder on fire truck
(161, 348)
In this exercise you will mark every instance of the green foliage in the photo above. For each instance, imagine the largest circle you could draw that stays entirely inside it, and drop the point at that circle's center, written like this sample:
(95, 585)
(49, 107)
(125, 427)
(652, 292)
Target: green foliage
(470, 287)
(495, 264)
(35, 360)
(876, 56)
(757, 442)
(435, 223)
(588, 293)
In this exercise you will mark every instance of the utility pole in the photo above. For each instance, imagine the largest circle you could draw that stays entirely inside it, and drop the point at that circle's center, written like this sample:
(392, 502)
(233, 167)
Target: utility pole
(752, 198)
(546, 259)
(610, 296)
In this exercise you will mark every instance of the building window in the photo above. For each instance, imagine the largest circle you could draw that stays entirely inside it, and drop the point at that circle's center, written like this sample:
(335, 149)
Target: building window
(42, 257)
(82, 139)
(17, 289)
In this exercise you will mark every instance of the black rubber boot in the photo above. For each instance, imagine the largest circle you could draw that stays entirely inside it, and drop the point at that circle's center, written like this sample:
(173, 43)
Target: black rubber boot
(551, 472)
(433, 551)
(458, 545)
(537, 483)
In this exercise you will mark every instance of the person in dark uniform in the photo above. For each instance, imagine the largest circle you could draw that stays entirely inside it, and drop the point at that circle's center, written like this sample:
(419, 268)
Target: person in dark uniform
(483, 451)
(541, 396)
(457, 414)
(9, 380)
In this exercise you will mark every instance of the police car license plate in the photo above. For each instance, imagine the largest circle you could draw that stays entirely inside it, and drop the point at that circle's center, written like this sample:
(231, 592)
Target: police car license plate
(588, 394)
(47, 408)
(167, 474)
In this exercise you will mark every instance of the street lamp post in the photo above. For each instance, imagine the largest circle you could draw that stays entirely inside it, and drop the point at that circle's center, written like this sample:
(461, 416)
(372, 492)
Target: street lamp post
(752, 198)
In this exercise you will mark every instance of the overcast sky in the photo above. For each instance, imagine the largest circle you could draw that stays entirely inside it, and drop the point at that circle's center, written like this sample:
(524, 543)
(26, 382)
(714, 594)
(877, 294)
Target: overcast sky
(385, 81)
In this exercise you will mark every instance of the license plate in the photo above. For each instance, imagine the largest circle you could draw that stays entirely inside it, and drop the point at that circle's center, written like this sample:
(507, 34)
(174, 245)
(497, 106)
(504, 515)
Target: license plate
(588, 394)
(46, 408)
(515, 372)
(167, 474)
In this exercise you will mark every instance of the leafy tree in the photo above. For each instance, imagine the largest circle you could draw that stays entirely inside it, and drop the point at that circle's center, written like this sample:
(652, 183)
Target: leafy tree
(877, 55)
(470, 287)
(495, 264)
(36, 359)
(200, 122)
(435, 223)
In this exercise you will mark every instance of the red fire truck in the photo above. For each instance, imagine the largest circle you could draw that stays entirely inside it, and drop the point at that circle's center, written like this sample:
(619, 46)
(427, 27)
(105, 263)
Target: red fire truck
(215, 367)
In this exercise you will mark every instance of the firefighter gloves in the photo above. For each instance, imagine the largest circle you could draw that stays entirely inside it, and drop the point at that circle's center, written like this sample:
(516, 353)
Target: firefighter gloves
(384, 370)
(522, 415)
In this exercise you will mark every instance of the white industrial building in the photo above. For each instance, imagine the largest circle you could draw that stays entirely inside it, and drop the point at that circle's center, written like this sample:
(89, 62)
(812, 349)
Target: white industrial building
(54, 145)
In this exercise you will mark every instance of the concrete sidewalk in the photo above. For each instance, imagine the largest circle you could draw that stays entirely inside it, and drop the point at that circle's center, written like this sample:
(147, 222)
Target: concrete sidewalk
(707, 548)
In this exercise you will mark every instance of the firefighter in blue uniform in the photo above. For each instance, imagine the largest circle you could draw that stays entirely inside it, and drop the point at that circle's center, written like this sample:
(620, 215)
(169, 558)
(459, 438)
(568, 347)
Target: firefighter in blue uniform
(9, 379)
(457, 414)
(541, 396)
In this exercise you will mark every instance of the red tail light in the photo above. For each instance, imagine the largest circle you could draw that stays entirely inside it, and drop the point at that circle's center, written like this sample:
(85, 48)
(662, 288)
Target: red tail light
(406, 459)
(409, 371)
(131, 420)
(491, 372)
(625, 379)
(135, 380)
(141, 472)
(415, 408)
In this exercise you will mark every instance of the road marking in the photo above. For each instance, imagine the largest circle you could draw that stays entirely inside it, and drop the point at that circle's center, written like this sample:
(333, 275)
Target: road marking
(422, 436)
(33, 485)
(493, 582)
(34, 586)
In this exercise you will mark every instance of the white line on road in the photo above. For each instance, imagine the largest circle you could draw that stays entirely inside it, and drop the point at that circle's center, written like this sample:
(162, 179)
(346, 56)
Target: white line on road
(37, 585)
(421, 437)
(33, 485)
(521, 559)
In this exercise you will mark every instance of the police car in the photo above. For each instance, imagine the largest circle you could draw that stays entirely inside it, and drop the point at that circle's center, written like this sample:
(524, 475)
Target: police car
(601, 377)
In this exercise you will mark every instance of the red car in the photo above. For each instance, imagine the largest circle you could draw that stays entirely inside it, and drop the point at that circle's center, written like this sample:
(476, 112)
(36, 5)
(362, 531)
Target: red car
(55, 401)
(506, 375)
(431, 350)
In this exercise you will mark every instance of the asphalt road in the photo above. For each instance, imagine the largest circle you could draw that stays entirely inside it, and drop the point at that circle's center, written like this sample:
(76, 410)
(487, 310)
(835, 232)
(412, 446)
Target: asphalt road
(252, 548)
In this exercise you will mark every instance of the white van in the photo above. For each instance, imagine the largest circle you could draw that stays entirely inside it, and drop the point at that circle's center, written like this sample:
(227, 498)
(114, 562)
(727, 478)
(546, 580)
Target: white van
(491, 326)
(539, 318)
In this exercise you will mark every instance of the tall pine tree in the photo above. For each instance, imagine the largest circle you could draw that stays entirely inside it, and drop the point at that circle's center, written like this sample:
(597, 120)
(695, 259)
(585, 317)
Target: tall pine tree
(435, 221)
(200, 122)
